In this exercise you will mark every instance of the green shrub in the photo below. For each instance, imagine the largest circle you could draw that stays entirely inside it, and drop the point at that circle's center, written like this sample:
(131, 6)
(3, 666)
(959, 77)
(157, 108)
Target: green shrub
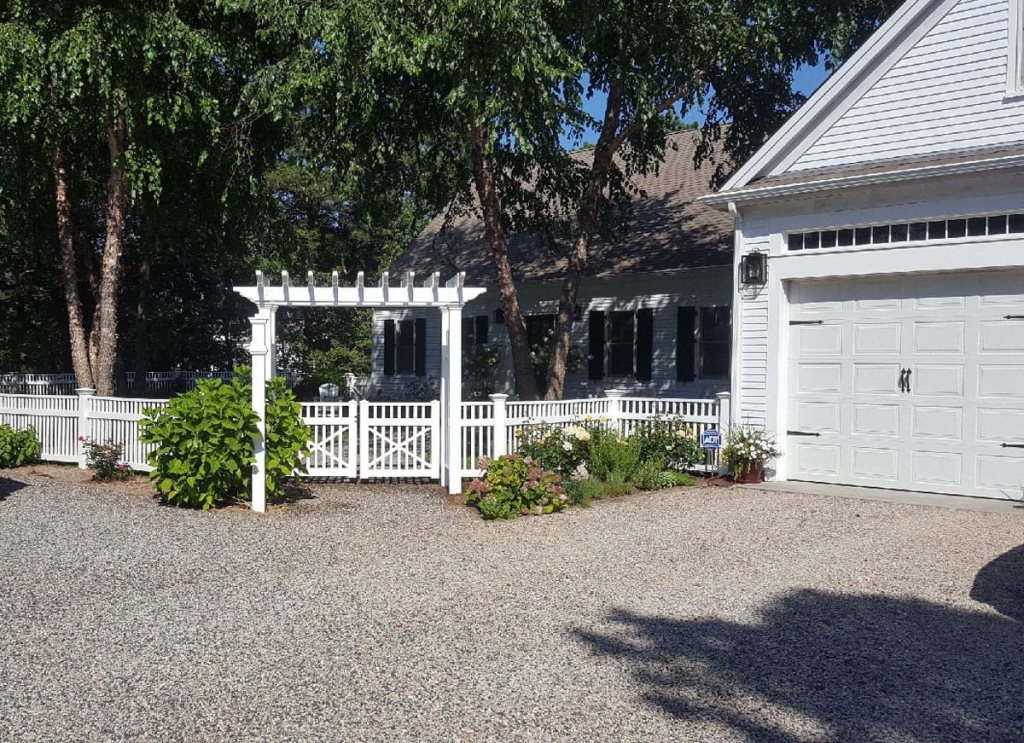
(105, 461)
(18, 446)
(583, 492)
(613, 459)
(652, 475)
(671, 440)
(560, 450)
(515, 485)
(204, 451)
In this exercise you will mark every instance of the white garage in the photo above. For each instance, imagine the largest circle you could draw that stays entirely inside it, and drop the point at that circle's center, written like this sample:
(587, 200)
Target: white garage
(913, 382)
(879, 310)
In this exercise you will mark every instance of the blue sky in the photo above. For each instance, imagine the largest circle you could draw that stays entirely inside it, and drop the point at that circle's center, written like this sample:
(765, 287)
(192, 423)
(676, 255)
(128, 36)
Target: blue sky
(806, 81)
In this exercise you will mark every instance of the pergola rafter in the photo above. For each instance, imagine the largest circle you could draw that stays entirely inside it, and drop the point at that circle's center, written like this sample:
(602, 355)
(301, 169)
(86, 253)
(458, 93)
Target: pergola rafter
(449, 298)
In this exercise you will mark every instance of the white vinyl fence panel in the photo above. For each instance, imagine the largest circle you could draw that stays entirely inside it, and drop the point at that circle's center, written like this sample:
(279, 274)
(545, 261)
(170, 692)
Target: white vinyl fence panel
(359, 439)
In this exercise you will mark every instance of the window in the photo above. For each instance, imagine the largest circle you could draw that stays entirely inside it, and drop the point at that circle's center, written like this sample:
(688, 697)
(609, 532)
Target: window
(475, 331)
(703, 343)
(903, 232)
(621, 344)
(405, 347)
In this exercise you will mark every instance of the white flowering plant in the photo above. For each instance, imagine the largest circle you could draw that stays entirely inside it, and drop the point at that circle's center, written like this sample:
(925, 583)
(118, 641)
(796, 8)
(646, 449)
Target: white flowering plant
(561, 450)
(748, 446)
(670, 440)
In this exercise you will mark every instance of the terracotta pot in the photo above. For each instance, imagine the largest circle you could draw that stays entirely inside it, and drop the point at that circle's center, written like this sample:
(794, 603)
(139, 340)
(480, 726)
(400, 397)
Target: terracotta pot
(754, 474)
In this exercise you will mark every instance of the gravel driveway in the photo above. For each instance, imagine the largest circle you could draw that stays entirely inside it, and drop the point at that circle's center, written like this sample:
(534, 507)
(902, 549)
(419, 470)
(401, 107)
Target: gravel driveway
(383, 613)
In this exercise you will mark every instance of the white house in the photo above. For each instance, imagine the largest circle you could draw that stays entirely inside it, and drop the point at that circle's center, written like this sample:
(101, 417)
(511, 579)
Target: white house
(885, 345)
(654, 308)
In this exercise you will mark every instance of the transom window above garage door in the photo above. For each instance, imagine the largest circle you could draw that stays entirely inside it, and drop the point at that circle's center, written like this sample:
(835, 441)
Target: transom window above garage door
(907, 232)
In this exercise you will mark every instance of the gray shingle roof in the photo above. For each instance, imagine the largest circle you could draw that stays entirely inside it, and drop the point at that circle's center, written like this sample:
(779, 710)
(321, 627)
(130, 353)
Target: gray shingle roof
(670, 232)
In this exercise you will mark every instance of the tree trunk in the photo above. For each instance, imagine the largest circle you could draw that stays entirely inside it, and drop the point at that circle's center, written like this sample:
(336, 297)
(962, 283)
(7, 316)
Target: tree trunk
(490, 206)
(587, 220)
(110, 268)
(69, 271)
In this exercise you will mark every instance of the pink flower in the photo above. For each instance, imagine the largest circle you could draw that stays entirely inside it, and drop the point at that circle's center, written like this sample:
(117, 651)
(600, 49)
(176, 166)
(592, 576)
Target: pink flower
(120, 466)
(81, 438)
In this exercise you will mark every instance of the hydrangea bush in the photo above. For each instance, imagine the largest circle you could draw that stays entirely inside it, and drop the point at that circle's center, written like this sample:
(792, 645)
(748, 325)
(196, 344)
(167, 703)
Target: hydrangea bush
(515, 485)
(562, 450)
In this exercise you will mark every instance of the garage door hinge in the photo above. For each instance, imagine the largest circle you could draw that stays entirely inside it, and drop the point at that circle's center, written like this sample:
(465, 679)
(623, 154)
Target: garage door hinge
(1012, 446)
(802, 433)
(806, 322)
(1014, 317)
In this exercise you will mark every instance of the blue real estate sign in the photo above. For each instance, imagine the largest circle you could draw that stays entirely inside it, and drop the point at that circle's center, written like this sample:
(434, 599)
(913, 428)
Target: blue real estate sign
(711, 439)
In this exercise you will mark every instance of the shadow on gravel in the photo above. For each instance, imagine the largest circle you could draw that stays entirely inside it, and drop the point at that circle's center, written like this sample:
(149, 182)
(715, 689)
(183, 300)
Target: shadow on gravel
(833, 668)
(8, 486)
(1000, 584)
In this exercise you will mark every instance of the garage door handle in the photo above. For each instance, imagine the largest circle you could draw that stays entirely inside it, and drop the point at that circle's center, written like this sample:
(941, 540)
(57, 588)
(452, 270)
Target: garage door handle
(908, 379)
(903, 380)
(1012, 446)
(801, 433)
(1014, 317)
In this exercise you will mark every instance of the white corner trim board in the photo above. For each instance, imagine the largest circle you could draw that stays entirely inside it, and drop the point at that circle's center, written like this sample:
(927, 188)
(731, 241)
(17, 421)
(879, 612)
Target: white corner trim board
(1015, 51)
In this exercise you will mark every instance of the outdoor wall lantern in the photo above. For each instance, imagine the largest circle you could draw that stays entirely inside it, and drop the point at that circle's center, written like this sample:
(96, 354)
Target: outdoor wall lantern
(499, 316)
(754, 269)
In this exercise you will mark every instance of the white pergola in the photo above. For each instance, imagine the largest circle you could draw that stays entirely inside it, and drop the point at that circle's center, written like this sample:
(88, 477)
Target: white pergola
(449, 298)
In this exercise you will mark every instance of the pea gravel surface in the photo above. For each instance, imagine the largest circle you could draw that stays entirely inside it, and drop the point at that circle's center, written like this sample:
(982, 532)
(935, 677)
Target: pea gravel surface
(388, 613)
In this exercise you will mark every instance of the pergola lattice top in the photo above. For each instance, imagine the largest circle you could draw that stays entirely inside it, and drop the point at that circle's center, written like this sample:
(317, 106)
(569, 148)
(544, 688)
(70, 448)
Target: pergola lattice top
(431, 293)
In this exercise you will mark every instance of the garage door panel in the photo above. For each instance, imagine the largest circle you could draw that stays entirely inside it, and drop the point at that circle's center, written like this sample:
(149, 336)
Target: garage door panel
(875, 463)
(939, 338)
(876, 338)
(937, 380)
(877, 305)
(876, 379)
(937, 423)
(1001, 336)
(952, 300)
(816, 378)
(817, 459)
(936, 468)
(875, 420)
(815, 340)
(817, 417)
(1001, 381)
(1001, 474)
(998, 425)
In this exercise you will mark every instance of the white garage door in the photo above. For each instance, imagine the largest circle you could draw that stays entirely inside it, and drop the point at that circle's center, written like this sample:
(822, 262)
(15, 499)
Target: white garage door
(914, 383)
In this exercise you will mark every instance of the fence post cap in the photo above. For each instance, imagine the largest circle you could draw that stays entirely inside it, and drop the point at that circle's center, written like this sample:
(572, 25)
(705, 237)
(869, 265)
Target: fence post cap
(498, 396)
(85, 391)
(724, 395)
(615, 393)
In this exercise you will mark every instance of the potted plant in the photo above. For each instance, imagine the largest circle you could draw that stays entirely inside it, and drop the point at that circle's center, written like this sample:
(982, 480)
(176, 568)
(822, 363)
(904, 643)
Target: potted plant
(746, 450)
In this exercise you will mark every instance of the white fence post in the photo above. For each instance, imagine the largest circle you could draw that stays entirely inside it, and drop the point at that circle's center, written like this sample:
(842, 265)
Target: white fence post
(615, 410)
(724, 412)
(362, 431)
(499, 436)
(84, 427)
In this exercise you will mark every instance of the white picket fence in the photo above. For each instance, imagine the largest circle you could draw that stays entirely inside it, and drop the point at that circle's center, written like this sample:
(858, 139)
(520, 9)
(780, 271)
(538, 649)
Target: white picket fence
(359, 440)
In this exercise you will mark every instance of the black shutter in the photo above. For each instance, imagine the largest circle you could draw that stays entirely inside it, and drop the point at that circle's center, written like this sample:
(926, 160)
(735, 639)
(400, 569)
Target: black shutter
(467, 332)
(482, 329)
(685, 344)
(644, 343)
(421, 347)
(389, 348)
(596, 366)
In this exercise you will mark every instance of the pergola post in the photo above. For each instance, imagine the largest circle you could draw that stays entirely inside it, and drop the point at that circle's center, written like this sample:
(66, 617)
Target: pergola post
(451, 398)
(261, 362)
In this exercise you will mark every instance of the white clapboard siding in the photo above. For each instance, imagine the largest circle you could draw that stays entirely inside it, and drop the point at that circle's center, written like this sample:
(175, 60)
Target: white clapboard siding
(753, 353)
(949, 89)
